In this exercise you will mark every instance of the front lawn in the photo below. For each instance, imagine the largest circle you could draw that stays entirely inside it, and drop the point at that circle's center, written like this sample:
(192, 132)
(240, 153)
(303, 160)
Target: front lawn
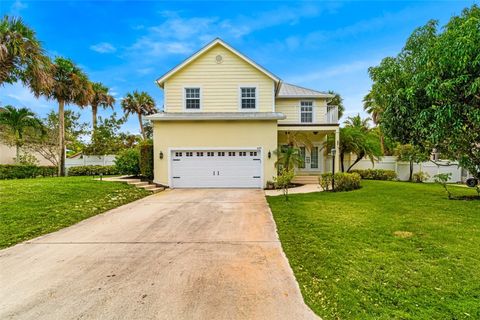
(390, 250)
(32, 207)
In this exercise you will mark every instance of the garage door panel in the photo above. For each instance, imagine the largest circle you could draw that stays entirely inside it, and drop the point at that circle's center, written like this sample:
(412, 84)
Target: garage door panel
(216, 169)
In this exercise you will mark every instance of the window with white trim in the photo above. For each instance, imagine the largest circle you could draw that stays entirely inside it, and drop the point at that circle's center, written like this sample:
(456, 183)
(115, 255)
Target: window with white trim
(192, 98)
(306, 111)
(178, 154)
(248, 98)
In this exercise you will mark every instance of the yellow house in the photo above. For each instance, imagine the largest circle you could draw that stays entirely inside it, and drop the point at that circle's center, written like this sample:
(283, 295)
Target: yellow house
(224, 118)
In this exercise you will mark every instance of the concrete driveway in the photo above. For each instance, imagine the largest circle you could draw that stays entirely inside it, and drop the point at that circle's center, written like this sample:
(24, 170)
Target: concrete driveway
(180, 254)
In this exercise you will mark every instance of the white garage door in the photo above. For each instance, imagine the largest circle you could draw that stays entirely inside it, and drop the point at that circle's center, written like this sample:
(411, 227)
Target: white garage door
(216, 169)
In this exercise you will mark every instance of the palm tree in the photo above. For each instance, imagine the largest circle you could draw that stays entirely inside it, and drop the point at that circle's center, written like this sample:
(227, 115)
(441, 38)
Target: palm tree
(363, 143)
(22, 57)
(357, 122)
(372, 107)
(337, 100)
(18, 121)
(140, 103)
(101, 98)
(289, 157)
(70, 86)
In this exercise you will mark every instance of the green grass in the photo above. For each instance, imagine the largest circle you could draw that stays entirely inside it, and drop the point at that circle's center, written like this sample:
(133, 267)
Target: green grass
(351, 264)
(32, 207)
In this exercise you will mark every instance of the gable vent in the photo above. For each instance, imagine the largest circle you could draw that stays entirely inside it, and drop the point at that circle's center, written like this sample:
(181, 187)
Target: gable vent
(218, 59)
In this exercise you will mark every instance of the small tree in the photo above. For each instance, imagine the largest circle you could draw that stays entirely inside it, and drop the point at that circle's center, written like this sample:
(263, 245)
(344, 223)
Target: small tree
(411, 154)
(442, 179)
(106, 138)
(47, 144)
(17, 123)
(283, 180)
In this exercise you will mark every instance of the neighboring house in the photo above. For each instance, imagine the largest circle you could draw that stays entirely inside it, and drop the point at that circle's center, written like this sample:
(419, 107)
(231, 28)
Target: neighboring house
(225, 116)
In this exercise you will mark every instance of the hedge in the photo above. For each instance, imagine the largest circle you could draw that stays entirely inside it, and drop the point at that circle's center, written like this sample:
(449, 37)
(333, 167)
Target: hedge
(347, 181)
(13, 171)
(92, 170)
(146, 160)
(376, 174)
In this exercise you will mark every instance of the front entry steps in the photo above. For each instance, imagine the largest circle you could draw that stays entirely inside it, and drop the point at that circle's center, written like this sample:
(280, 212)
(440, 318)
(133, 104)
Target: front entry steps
(137, 183)
(305, 179)
(145, 185)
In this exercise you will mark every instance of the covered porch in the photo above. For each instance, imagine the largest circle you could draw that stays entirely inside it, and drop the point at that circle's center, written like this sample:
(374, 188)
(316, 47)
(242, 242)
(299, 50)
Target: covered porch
(311, 140)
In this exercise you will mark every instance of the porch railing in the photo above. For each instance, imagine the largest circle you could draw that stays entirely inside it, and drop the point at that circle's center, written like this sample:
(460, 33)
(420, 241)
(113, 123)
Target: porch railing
(332, 114)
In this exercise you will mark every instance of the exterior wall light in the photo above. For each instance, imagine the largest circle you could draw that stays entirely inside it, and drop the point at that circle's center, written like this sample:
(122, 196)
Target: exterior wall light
(269, 154)
(161, 155)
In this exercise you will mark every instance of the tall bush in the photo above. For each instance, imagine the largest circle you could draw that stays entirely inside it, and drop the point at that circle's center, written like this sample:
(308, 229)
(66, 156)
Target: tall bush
(347, 181)
(146, 160)
(128, 162)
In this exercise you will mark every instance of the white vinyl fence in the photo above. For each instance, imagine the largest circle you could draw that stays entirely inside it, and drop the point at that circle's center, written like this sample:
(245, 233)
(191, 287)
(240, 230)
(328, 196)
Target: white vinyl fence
(403, 168)
(84, 160)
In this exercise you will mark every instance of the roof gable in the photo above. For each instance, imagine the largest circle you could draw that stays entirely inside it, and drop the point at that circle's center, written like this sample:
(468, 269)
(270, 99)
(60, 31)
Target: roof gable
(160, 81)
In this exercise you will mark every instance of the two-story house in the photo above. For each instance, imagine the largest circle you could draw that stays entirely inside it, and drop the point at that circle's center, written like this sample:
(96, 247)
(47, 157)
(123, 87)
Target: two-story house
(225, 117)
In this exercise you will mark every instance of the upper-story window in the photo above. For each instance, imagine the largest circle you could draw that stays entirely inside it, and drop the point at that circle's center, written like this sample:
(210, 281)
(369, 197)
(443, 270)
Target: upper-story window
(306, 111)
(192, 98)
(248, 98)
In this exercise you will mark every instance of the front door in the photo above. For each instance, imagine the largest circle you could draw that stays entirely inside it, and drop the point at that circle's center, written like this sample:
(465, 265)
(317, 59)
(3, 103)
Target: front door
(311, 158)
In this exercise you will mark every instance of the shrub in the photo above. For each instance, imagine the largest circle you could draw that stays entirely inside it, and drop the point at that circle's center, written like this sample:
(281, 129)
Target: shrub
(146, 160)
(283, 180)
(325, 180)
(128, 162)
(376, 174)
(92, 170)
(420, 176)
(347, 181)
(9, 171)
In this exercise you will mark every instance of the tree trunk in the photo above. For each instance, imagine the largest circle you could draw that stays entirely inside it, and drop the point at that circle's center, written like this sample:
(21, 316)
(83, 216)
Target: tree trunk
(61, 138)
(141, 126)
(382, 143)
(359, 157)
(17, 153)
(342, 156)
(411, 171)
(94, 117)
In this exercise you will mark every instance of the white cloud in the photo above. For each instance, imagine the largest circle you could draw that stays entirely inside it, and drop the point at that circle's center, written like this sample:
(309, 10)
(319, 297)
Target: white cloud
(320, 72)
(20, 96)
(103, 47)
(17, 7)
(178, 34)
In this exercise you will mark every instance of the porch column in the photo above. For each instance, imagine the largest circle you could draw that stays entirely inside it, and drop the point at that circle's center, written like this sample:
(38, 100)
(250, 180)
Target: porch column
(337, 147)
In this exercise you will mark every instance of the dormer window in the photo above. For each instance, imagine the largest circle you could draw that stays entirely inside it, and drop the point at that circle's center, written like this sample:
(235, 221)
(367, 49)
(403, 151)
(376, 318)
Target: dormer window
(248, 98)
(306, 111)
(192, 98)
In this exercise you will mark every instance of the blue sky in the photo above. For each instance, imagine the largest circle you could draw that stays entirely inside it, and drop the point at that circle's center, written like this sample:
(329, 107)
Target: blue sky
(127, 45)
